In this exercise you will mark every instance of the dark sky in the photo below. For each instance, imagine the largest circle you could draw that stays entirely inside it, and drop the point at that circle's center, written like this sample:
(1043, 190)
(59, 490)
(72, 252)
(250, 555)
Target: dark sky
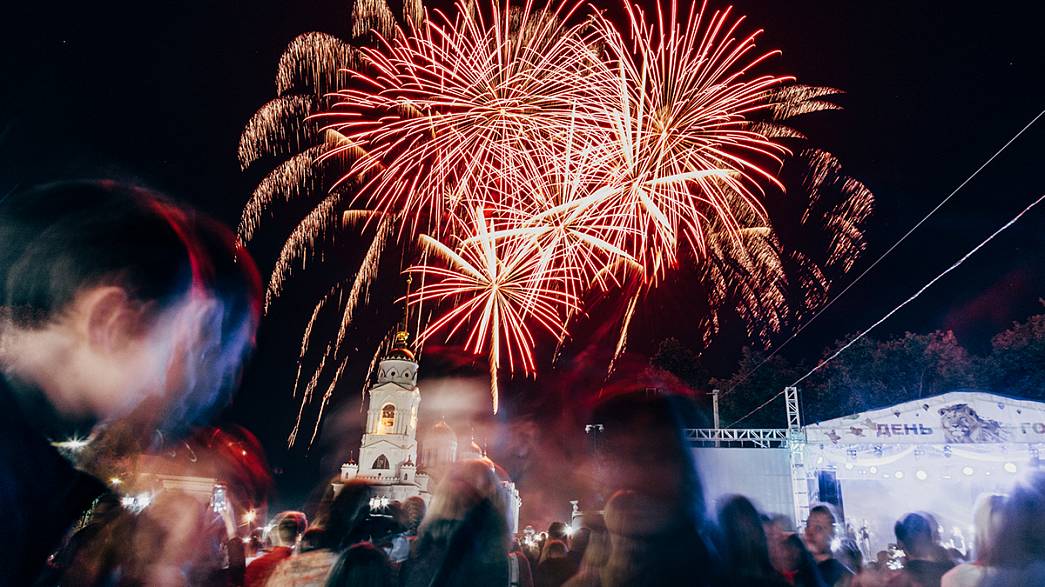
(159, 91)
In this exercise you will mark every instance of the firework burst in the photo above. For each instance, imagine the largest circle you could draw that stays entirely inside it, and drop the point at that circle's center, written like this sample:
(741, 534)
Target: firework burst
(536, 153)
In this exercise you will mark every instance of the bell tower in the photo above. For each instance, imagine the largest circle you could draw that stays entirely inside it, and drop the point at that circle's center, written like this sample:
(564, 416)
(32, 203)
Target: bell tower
(388, 451)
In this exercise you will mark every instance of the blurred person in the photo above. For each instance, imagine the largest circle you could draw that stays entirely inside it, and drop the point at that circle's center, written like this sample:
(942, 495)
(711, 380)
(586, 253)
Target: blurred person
(554, 568)
(89, 556)
(362, 565)
(557, 531)
(819, 534)
(115, 305)
(414, 509)
(658, 529)
(777, 527)
(850, 555)
(464, 538)
(177, 540)
(343, 520)
(311, 540)
(287, 528)
(743, 545)
(986, 521)
(923, 567)
(1019, 547)
(596, 555)
(578, 545)
(797, 564)
(519, 572)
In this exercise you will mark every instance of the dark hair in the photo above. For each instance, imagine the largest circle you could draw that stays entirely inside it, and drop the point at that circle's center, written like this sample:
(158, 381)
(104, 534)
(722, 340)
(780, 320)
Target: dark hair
(362, 565)
(825, 509)
(290, 527)
(63, 237)
(557, 530)
(743, 539)
(312, 539)
(346, 515)
(913, 532)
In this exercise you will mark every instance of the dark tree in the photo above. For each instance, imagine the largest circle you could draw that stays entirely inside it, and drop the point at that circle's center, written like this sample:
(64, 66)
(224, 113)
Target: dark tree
(1016, 363)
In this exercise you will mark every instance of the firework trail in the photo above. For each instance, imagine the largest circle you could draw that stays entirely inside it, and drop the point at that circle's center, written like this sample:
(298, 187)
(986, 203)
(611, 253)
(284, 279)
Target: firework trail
(496, 295)
(531, 153)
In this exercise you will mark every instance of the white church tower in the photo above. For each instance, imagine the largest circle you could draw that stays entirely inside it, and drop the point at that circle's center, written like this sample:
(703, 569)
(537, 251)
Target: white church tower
(388, 450)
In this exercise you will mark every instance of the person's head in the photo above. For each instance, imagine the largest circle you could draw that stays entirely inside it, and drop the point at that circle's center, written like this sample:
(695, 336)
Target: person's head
(346, 514)
(986, 519)
(466, 485)
(554, 549)
(742, 538)
(312, 539)
(557, 531)
(113, 298)
(414, 509)
(362, 565)
(882, 558)
(820, 529)
(287, 528)
(1020, 540)
(914, 535)
(647, 452)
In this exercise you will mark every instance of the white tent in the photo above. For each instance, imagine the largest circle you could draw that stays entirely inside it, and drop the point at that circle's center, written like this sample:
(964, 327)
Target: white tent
(935, 454)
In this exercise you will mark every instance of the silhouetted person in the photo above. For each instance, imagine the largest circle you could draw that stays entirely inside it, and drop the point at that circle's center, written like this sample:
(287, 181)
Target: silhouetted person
(464, 538)
(554, 568)
(923, 568)
(656, 522)
(362, 565)
(743, 545)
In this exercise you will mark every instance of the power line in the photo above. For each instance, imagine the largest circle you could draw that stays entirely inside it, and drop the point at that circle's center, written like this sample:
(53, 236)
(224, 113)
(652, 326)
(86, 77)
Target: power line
(744, 377)
(889, 314)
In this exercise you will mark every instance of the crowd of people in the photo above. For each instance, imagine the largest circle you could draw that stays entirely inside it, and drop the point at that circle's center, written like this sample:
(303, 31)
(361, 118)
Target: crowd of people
(119, 306)
(461, 538)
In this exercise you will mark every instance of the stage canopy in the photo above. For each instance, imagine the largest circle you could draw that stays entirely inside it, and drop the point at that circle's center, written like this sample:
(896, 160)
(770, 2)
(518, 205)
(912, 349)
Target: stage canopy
(935, 454)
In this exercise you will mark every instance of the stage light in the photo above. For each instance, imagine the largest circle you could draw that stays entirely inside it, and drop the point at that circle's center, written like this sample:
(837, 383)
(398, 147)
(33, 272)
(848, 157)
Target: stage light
(849, 466)
(921, 475)
(1010, 467)
(967, 470)
(873, 470)
(898, 474)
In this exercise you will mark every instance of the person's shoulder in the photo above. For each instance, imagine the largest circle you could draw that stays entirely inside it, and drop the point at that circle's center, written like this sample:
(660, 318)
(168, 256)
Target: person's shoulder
(965, 574)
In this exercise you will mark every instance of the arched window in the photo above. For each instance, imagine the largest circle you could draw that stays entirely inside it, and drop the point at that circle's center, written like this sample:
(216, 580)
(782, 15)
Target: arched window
(388, 418)
(381, 462)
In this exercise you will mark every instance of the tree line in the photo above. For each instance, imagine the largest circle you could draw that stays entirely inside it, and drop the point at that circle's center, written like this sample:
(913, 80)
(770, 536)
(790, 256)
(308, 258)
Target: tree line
(872, 373)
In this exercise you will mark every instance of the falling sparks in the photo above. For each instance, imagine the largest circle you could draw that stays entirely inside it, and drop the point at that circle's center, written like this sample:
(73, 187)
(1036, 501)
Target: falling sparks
(521, 155)
(278, 128)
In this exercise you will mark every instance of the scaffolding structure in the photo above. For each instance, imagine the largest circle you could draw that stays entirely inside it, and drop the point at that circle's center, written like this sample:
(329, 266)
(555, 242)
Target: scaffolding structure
(793, 438)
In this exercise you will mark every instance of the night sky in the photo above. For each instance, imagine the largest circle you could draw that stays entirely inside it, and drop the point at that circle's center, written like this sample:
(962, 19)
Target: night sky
(159, 92)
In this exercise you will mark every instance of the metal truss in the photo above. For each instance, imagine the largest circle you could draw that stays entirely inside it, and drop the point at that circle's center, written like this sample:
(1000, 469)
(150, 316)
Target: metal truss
(792, 438)
(738, 437)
